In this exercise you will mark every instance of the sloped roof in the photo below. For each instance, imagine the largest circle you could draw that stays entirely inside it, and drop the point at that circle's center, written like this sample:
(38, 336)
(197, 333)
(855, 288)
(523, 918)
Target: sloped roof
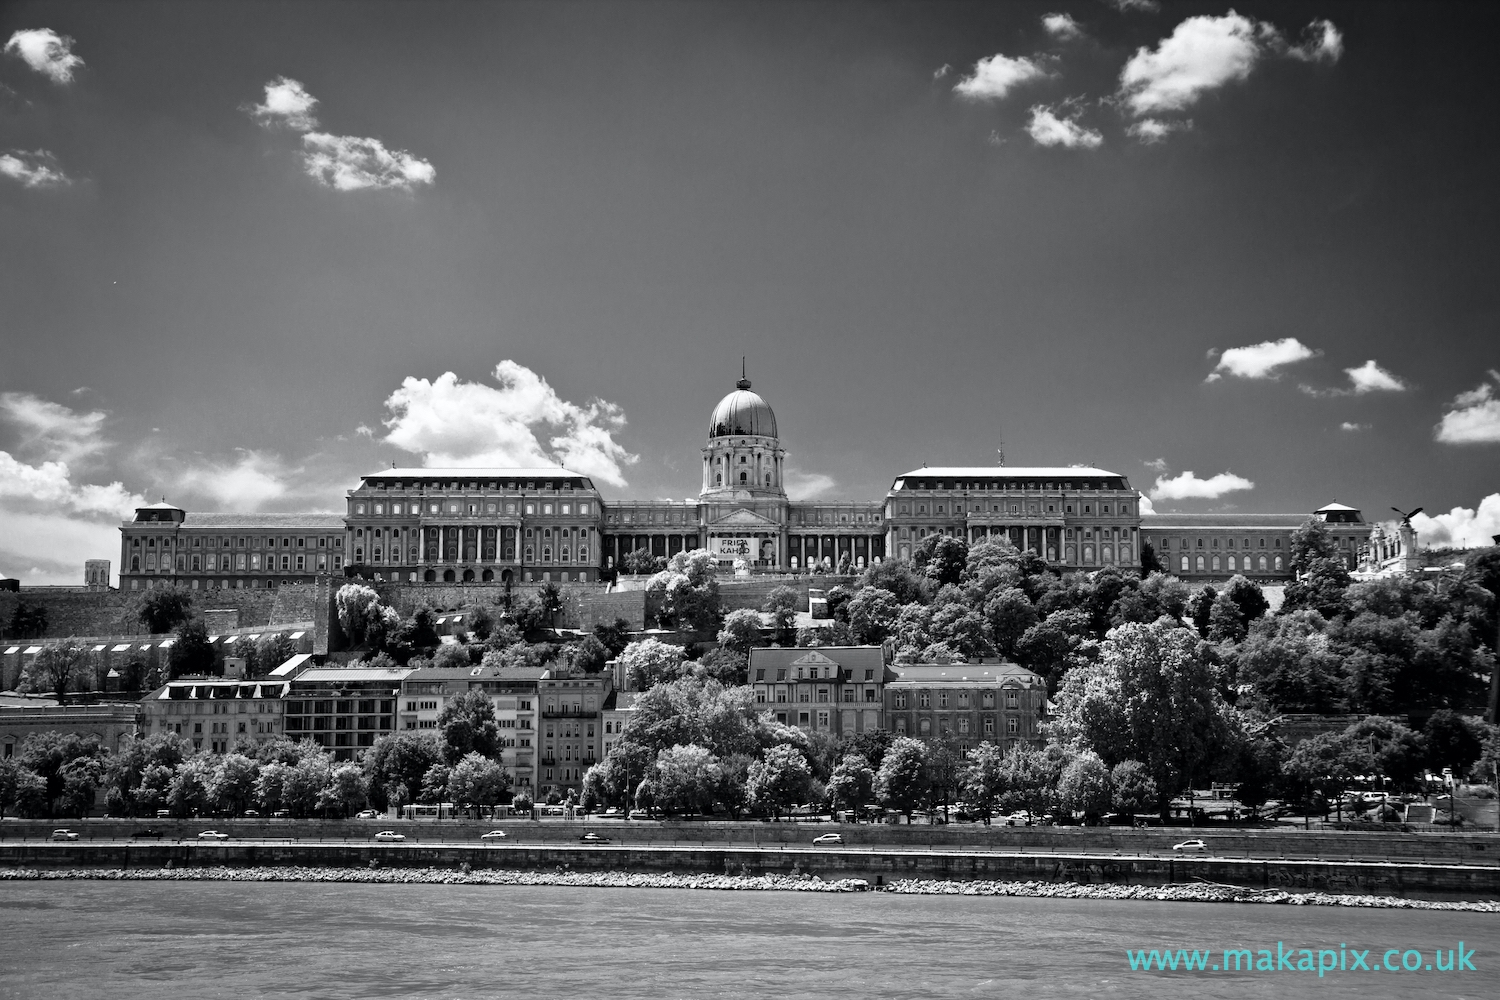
(1008, 472)
(848, 657)
(1231, 520)
(971, 673)
(281, 522)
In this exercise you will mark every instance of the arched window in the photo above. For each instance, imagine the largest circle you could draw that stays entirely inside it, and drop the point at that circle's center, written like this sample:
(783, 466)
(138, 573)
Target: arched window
(1184, 564)
(744, 477)
(135, 564)
(1200, 564)
(1231, 564)
(1216, 564)
(1262, 564)
(718, 480)
(546, 553)
(1278, 564)
(768, 479)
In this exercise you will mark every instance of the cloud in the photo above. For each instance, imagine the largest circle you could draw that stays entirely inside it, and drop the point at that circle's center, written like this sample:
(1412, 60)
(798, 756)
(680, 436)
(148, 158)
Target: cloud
(1189, 487)
(1146, 506)
(1462, 527)
(1370, 377)
(52, 429)
(45, 51)
(1130, 6)
(35, 169)
(1474, 417)
(1154, 130)
(1348, 426)
(996, 76)
(1322, 42)
(250, 482)
(1047, 129)
(349, 163)
(942, 71)
(1158, 465)
(1062, 27)
(365, 430)
(806, 485)
(1202, 54)
(456, 424)
(287, 103)
(1261, 360)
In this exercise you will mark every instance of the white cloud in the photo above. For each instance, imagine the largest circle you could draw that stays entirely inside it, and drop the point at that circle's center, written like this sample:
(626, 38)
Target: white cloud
(1157, 465)
(1189, 487)
(49, 485)
(349, 163)
(251, 481)
(1146, 506)
(1202, 54)
(996, 76)
(1349, 426)
(52, 429)
(1261, 360)
(1462, 527)
(806, 485)
(287, 103)
(44, 548)
(1474, 417)
(1047, 129)
(365, 430)
(1062, 27)
(45, 51)
(34, 169)
(1154, 130)
(1127, 6)
(942, 71)
(1322, 42)
(1370, 377)
(456, 424)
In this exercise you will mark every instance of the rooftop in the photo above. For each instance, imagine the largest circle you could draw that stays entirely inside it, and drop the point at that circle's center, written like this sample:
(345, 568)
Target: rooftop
(1009, 472)
(479, 472)
(844, 656)
(1230, 519)
(317, 519)
(931, 673)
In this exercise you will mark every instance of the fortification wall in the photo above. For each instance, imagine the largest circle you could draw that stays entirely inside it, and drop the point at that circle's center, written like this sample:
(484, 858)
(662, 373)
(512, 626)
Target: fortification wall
(114, 612)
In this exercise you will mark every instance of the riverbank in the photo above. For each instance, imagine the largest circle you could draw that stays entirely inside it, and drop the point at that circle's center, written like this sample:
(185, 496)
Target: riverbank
(1185, 893)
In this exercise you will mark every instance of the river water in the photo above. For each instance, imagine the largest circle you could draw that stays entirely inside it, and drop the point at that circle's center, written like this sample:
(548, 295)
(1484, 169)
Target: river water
(128, 940)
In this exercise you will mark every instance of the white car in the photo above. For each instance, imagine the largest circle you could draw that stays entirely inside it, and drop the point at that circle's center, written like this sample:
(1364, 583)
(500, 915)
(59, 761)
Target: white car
(367, 814)
(213, 835)
(494, 835)
(1191, 847)
(390, 837)
(64, 835)
(828, 839)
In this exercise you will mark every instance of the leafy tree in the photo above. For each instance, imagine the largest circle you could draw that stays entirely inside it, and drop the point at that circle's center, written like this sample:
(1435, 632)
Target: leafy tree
(56, 668)
(1200, 609)
(872, 614)
(1027, 780)
(1389, 748)
(852, 784)
(271, 651)
(28, 621)
(81, 778)
(1132, 789)
(480, 622)
(1452, 741)
(686, 593)
(782, 604)
(838, 598)
(1150, 561)
(191, 653)
(1156, 595)
(899, 578)
(395, 765)
(779, 780)
(468, 726)
(1051, 646)
(125, 769)
(726, 666)
(687, 778)
(871, 744)
(1325, 764)
(435, 784)
(845, 564)
(355, 604)
(1311, 542)
(590, 655)
(649, 662)
(1289, 665)
(982, 783)
(164, 609)
(12, 775)
(477, 780)
(902, 781)
(941, 558)
(48, 755)
(1010, 613)
(188, 794)
(1320, 588)
(615, 636)
(231, 784)
(741, 631)
(945, 769)
(451, 656)
(550, 598)
(966, 632)
(1084, 787)
(638, 561)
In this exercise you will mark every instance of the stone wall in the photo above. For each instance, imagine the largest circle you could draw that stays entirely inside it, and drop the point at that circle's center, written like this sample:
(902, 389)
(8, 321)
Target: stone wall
(114, 612)
(752, 593)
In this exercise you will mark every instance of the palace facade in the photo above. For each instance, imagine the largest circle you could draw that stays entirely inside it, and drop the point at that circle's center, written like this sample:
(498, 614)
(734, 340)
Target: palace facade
(528, 525)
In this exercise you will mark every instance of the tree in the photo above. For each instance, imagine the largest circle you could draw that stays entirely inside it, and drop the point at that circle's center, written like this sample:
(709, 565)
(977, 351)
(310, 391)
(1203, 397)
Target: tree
(1132, 790)
(56, 668)
(871, 744)
(1390, 749)
(12, 774)
(480, 621)
(356, 604)
(231, 784)
(782, 604)
(188, 794)
(649, 662)
(1452, 741)
(271, 651)
(941, 558)
(191, 652)
(48, 756)
(477, 780)
(468, 726)
(1320, 588)
(126, 792)
(396, 764)
(686, 779)
(28, 621)
(779, 780)
(435, 784)
(1325, 764)
(1150, 561)
(945, 768)
(1010, 613)
(872, 614)
(725, 666)
(1311, 542)
(1027, 780)
(741, 631)
(982, 783)
(1289, 666)
(615, 636)
(852, 784)
(164, 609)
(902, 782)
(1050, 646)
(590, 655)
(899, 578)
(686, 593)
(638, 561)
(1084, 787)
(966, 632)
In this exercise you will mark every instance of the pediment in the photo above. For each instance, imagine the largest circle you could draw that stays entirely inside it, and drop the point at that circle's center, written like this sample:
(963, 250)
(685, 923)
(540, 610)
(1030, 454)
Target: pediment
(814, 659)
(742, 518)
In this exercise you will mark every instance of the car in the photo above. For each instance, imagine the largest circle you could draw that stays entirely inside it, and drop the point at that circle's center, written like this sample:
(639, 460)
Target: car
(494, 835)
(367, 814)
(280, 814)
(828, 839)
(250, 814)
(593, 838)
(1191, 847)
(213, 835)
(613, 812)
(390, 837)
(149, 832)
(163, 814)
(64, 835)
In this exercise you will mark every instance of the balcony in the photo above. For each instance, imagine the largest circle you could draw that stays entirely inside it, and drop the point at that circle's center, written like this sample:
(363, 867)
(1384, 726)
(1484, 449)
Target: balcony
(569, 712)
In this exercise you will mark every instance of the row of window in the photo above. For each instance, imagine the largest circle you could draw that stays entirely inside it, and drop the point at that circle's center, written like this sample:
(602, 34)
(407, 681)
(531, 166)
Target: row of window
(963, 699)
(1182, 543)
(493, 484)
(925, 727)
(1009, 484)
(805, 695)
(236, 561)
(1013, 508)
(233, 583)
(242, 542)
(1245, 565)
(583, 507)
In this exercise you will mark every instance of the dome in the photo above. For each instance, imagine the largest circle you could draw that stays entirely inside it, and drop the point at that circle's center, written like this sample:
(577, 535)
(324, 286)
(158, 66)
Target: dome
(742, 412)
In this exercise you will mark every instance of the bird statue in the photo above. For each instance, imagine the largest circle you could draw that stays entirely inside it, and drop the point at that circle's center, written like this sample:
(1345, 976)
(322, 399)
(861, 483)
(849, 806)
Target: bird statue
(1406, 517)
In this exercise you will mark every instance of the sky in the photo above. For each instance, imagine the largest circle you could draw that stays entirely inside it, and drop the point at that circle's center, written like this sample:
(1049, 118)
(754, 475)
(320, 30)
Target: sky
(1243, 256)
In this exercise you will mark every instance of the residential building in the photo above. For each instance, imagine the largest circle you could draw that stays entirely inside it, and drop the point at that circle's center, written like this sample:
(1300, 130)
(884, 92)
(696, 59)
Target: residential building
(511, 690)
(973, 703)
(216, 713)
(572, 726)
(836, 690)
(344, 709)
(619, 709)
